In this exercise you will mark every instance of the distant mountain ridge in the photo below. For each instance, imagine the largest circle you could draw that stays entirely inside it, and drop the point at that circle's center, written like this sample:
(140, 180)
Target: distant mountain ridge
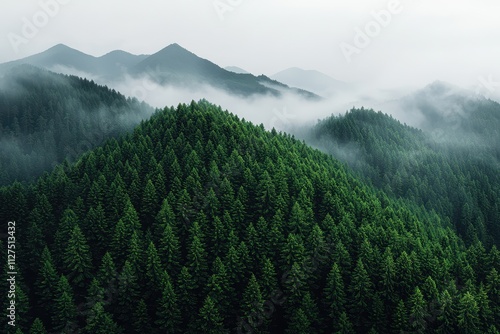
(440, 105)
(236, 69)
(310, 80)
(173, 65)
(60, 56)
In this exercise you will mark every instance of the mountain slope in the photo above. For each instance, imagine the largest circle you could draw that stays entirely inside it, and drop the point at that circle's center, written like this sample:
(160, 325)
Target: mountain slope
(176, 65)
(456, 174)
(47, 117)
(172, 65)
(199, 222)
(236, 69)
(440, 105)
(64, 59)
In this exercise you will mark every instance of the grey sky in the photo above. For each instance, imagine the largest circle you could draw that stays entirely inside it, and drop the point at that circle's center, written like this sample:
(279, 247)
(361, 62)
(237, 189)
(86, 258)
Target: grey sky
(451, 40)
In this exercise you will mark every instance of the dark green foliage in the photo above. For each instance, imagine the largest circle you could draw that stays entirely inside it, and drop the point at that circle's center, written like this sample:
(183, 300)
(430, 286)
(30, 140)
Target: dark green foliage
(142, 321)
(47, 118)
(168, 313)
(47, 279)
(100, 322)
(417, 312)
(211, 322)
(453, 171)
(77, 259)
(335, 297)
(64, 312)
(326, 254)
(37, 327)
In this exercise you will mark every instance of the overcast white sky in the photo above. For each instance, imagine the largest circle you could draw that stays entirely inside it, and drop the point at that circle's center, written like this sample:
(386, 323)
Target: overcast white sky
(451, 40)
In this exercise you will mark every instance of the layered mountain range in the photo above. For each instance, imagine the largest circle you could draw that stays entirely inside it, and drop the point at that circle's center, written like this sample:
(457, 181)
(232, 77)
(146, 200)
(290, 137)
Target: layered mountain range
(190, 219)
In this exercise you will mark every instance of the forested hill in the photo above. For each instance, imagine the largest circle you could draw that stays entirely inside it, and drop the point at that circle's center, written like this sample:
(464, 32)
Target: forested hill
(199, 222)
(46, 118)
(454, 171)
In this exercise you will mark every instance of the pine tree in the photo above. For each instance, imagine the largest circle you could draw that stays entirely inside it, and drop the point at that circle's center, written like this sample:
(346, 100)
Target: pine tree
(64, 231)
(233, 265)
(154, 271)
(22, 305)
(211, 321)
(100, 322)
(400, 318)
(493, 289)
(388, 281)
(252, 307)
(418, 312)
(361, 289)
(404, 274)
(318, 250)
(468, 314)
(95, 294)
(263, 235)
(294, 282)
(164, 217)
(136, 255)
(344, 325)
(142, 321)
(149, 206)
(299, 323)
(168, 312)
(308, 305)
(35, 245)
(47, 278)
(293, 251)
(197, 259)
(186, 292)
(37, 327)
(64, 309)
(97, 229)
(252, 242)
(77, 259)
(119, 242)
(218, 239)
(169, 248)
(219, 287)
(334, 293)
(447, 314)
(107, 274)
(128, 292)
(269, 279)
(485, 312)
(130, 220)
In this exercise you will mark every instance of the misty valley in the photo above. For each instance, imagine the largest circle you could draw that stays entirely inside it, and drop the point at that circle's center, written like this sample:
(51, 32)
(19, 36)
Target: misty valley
(163, 193)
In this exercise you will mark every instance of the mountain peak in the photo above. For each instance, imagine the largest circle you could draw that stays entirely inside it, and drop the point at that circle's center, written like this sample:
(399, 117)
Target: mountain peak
(443, 88)
(60, 46)
(174, 47)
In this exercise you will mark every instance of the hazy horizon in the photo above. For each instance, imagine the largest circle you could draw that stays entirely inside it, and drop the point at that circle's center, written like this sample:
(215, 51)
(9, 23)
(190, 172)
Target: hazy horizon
(387, 44)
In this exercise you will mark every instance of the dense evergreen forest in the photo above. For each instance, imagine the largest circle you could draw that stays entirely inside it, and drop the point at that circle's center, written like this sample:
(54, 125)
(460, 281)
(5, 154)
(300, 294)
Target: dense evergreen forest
(455, 171)
(200, 222)
(47, 117)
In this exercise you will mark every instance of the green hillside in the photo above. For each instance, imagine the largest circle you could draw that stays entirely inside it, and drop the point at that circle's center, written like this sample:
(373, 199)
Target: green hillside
(199, 222)
(455, 171)
(47, 117)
